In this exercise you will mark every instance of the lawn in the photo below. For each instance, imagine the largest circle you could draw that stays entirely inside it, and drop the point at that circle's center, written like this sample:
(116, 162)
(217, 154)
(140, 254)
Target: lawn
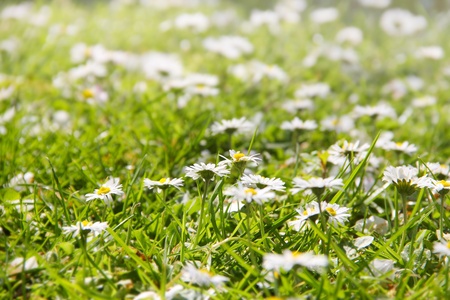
(192, 149)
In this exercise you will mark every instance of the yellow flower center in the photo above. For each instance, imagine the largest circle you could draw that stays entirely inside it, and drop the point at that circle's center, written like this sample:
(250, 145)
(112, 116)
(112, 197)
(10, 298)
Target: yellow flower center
(444, 183)
(331, 211)
(250, 190)
(162, 180)
(296, 253)
(200, 86)
(88, 94)
(86, 223)
(335, 122)
(238, 156)
(103, 190)
(204, 271)
(448, 245)
(274, 297)
(305, 213)
(399, 144)
(87, 52)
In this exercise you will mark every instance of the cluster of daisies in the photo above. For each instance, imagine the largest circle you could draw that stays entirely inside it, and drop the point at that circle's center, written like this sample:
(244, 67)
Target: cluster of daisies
(219, 62)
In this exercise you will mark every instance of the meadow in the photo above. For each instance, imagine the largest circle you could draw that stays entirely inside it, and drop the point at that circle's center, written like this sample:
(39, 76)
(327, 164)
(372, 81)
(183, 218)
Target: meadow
(187, 149)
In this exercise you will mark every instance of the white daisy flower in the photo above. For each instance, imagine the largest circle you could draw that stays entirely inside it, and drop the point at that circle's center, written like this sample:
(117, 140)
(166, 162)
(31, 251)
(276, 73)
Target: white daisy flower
(238, 157)
(351, 35)
(197, 22)
(337, 214)
(202, 277)
(105, 192)
(163, 183)
(206, 171)
(297, 124)
(400, 22)
(404, 147)
(339, 124)
(405, 179)
(438, 168)
(311, 209)
(347, 148)
(231, 47)
(275, 184)
(381, 110)
(424, 101)
(442, 248)
(324, 15)
(316, 184)
(294, 106)
(232, 126)
(97, 228)
(242, 193)
(440, 186)
(375, 3)
(320, 90)
(289, 259)
(431, 52)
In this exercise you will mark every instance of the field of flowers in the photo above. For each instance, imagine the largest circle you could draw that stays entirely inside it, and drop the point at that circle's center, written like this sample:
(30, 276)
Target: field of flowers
(188, 149)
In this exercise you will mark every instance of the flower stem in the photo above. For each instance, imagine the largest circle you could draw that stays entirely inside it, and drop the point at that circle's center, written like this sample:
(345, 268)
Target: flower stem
(261, 224)
(323, 222)
(249, 236)
(405, 221)
(202, 212)
(405, 209)
(441, 215)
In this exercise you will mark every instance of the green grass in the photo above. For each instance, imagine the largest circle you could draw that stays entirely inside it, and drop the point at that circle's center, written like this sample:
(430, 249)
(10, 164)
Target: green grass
(152, 236)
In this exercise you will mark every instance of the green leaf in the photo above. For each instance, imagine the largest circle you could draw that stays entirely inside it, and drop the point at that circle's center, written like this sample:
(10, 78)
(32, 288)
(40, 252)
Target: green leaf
(67, 247)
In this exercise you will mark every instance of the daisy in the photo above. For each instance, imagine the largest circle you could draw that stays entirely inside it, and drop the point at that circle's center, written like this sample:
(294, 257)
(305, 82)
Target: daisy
(202, 277)
(440, 186)
(275, 184)
(324, 15)
(231, 47)
(106, 191)
(347, 149)
(405, 179)
(442, 248)
(350, 35)
(337, 214)
(163, 183)
(320, 90)
(431, 52)
(311, 209)
(202, 90)
(289, 259)
(297, 124)
(82, 227)
(339, 124)
(206, 171)
(294, 106)
(197, 22)
(161, 66)
(232, 126)
(381, 110)
(404, 147)
(261, 70)
(424, 101)
(242, 193)
(316, 184)
(238, 157)
(375, 3)
(438, 169)
(400, 22)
